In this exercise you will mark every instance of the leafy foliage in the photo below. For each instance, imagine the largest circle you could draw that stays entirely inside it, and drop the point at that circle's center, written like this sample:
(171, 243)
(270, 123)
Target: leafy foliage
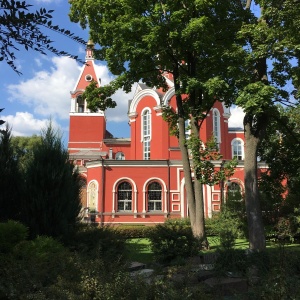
(11, 233)
(192, 40)
(173, 240)
(23, 148)
(104, 242)
(20, 26)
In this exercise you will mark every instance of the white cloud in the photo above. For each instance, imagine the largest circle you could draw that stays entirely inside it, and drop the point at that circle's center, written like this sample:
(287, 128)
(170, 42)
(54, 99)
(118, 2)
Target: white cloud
(236, 118)
(47, 92)
(24, 124)
(119, 113)
(47, 95)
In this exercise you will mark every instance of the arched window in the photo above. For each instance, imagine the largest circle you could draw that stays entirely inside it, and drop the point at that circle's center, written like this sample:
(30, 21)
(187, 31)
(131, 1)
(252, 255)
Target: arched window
(216, 126)
(124, 196)
(92, 201)
(80, 104)
(120, 156)
(234, 197)
(146, 127)
(154, 194)
(237, 147)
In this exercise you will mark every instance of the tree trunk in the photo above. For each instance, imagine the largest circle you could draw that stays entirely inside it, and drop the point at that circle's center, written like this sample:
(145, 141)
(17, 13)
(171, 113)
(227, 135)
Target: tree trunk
(193, 189)
(257, 239)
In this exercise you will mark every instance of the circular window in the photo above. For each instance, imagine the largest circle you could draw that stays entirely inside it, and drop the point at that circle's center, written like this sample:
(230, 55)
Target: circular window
(88, 77)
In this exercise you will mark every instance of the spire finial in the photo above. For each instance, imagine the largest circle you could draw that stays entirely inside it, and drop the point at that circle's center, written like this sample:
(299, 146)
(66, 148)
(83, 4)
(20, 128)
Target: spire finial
(89, 49)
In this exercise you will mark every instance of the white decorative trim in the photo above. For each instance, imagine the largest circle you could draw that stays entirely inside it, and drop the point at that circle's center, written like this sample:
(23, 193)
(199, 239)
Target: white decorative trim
(134, 201)
(164, 194)
(139, 96)
(168, 95)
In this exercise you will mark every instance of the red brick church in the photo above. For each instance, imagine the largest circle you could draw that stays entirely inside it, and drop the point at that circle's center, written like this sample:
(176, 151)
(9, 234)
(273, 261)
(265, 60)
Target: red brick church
(139, 179)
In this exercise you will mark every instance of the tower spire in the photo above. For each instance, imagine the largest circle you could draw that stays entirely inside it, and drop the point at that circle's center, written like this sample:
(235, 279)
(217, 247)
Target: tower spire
(89, 50)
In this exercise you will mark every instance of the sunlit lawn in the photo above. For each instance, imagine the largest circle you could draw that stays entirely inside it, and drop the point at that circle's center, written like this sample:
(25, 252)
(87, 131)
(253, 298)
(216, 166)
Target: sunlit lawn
(140, 249)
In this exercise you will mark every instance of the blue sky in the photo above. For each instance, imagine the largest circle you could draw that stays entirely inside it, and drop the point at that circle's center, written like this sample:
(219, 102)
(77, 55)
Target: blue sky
(43, 90)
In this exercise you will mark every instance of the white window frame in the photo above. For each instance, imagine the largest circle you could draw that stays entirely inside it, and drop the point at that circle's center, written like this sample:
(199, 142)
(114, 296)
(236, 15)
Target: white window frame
(155, 202)
(146, 133)
(237, 150)
(216, 125)
(125, 201)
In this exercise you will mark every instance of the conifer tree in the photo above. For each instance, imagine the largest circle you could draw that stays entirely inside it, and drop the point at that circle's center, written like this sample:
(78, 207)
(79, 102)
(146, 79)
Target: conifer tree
(10, 178)
(53, 185)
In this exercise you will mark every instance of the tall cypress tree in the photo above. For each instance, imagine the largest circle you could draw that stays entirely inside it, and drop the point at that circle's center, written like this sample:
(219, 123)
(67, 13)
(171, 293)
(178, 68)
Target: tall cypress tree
(10, 178)
(52, 202)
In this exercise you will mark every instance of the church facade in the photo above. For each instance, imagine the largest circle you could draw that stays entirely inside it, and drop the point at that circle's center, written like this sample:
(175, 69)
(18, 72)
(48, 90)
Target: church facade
(139, 179)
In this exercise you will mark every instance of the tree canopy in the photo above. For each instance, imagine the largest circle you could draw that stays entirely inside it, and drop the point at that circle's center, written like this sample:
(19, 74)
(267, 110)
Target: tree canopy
(214, 50)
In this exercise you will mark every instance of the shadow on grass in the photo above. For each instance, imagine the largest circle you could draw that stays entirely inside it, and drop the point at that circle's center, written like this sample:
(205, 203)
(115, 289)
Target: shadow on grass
(139, 250)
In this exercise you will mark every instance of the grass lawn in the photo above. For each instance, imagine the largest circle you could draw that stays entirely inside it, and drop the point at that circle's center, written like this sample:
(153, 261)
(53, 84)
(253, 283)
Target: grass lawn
(140, 249)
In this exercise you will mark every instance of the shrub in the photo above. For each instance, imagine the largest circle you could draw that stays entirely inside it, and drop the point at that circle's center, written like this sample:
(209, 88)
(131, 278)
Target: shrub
(32, 266)
(104, 242)
(134, 231)
(173, 240)
(11, 233)
(225, 223)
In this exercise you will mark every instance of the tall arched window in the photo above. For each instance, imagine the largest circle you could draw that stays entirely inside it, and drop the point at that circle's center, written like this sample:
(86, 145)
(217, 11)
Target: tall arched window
(237, 147)
(234, 197)
(92, 201)
(154, 194)
(216, 126)
(80, 104)
(124, 196)
(146, 126)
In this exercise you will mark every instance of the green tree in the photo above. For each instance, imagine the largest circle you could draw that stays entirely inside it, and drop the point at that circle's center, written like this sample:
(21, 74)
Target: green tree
(192, 40)
(21, 26)
(270, 43)
(10, 181)
(23, 148)
(52, 201)
(280, 183)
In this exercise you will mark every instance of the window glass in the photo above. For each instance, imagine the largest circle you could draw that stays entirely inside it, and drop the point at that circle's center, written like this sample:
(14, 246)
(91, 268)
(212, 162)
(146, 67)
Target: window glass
(237, 149)
(80, 104)
(124, 196)
(146, 134)
(216, 126)
(154, 196)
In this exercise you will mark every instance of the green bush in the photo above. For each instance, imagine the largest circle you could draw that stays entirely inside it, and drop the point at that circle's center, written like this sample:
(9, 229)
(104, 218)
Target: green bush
(104, 242)
(32, 266)
(173, 240)
(11, 233)
(225, 223)
(134, 231)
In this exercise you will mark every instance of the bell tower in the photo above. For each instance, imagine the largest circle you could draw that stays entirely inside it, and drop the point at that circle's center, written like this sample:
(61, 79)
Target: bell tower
(87, 129)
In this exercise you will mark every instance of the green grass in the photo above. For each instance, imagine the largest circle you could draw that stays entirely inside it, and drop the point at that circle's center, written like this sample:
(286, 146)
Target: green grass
(139, 249)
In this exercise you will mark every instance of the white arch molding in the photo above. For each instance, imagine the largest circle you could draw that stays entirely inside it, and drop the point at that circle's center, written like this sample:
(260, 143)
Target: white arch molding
(164, 200)
(139, 96)
(134, 200)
